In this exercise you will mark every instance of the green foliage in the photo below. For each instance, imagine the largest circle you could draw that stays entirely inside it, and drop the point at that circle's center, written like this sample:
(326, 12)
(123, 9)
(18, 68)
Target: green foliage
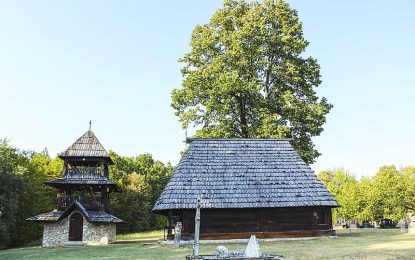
(389, 187)
(409, 179)
(141, 180)
(11, 184)
(247, 76)
(388, 194)
(385, 195)
(36, 197)
(23, 194)
(368, 200)
(344, 187)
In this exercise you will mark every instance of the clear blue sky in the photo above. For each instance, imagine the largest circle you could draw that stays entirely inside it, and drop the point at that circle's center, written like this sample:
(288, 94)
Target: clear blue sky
(63, 63)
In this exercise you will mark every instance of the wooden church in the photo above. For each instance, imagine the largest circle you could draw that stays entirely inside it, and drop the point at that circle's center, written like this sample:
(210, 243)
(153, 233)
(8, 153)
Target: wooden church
(82, 210)
(247, 187)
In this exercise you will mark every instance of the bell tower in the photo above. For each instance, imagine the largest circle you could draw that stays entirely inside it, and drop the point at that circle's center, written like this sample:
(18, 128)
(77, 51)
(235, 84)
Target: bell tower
(85, 175)
(82, 209)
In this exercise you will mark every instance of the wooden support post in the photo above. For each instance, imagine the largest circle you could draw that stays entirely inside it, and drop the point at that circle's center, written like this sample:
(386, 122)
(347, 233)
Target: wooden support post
(102, 168)
(329, 218)
(65, 168)
(105, 199)
(170, 224)
(58, 199)
(197, 229)
(106, 170)
(260, 220)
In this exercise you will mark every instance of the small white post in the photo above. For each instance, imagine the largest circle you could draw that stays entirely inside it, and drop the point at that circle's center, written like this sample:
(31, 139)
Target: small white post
(197, 229)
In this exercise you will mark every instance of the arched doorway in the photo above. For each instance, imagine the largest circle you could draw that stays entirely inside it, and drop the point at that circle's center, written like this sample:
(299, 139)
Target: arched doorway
(75, 227)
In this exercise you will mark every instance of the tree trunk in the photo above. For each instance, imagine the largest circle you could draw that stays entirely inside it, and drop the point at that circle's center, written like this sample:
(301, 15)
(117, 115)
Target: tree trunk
(267, 79)
(242, 116)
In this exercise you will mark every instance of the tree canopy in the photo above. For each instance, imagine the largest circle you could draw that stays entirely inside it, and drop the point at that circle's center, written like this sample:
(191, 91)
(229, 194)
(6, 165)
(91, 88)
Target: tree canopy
(141, 180)
(11, 183)
(22, 192)
(343, 186)
(388, 194)
(246, 75)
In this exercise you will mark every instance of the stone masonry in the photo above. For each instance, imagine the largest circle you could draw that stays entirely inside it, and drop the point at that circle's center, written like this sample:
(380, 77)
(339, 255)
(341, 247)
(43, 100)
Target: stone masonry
(57, 233)
(98, 233)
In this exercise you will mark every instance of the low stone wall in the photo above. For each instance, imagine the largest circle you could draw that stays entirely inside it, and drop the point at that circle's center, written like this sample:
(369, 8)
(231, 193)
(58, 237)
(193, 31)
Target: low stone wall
(99, 233)
(56, 234)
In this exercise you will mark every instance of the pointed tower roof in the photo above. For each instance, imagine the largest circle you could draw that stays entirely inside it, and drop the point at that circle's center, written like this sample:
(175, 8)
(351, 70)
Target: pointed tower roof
(87, 145)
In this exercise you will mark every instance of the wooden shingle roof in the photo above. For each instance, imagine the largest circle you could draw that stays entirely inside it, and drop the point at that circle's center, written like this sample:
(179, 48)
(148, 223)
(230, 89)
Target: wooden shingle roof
(68, 180)
(87, 145)
(91, 216)
(243, 173)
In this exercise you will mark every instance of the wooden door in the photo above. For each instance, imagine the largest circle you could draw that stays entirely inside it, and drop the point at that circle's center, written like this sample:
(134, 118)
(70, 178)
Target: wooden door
(75, 227)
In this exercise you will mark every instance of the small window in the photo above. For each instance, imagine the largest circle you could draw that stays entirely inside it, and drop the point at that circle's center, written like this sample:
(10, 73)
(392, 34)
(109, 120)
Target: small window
(320, 217)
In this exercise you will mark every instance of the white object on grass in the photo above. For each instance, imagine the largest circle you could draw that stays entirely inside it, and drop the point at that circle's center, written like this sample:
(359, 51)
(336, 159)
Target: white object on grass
(252, 249)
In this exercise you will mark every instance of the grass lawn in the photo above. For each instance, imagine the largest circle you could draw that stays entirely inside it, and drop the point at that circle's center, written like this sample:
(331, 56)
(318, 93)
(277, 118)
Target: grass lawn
(360, 244)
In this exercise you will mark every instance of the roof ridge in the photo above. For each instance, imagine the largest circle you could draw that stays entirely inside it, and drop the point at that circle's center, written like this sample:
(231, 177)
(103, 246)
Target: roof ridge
(191, 139)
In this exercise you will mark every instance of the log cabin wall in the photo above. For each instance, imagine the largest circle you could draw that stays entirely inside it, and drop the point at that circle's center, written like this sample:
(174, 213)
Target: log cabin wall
(263, 222)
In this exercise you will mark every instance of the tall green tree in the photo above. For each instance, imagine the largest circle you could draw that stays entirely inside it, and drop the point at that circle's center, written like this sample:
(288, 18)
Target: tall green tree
(385, 195)
(388, 194)
(409, 179)
(23, 194)
(390, 189)
(11, 184)
(344, 187)
(35, 196)
(369, 201)
(141, 180)
(246, 75)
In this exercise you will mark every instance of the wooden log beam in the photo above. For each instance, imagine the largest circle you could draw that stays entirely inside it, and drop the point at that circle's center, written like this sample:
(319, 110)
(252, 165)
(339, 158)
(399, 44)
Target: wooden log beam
(170, 223)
